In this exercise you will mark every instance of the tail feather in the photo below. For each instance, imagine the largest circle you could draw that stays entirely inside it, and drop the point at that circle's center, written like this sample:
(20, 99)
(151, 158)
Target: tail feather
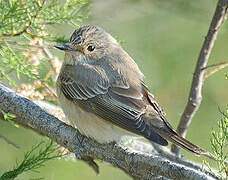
(180, 141)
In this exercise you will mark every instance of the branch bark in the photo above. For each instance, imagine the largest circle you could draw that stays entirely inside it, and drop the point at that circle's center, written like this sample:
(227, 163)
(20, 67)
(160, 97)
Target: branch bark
(195, 94)
(139, 161)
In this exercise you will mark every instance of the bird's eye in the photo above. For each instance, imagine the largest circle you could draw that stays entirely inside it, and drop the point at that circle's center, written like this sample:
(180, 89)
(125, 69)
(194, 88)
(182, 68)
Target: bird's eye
(90, 48)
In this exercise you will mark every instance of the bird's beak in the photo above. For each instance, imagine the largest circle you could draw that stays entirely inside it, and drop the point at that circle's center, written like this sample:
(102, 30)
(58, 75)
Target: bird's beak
(64, 47)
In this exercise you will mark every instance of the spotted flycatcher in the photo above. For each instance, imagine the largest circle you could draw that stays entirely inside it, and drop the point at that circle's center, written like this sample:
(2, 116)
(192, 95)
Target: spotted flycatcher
(102, 92)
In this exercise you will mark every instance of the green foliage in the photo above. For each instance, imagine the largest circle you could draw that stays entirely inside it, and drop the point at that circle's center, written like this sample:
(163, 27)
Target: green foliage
(8, 116)
(14, 61)
(22, 21)
(34, 159)
(219, 143)
(31, 16)
(61, 39)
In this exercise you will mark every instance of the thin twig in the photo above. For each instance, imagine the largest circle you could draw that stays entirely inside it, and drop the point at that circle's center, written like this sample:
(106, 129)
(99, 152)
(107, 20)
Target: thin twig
(47, 52)
(220, 67)
(50, 56)
(26, 44)
(195, 95)
(214, 65)
(9, 142)
(51, 90)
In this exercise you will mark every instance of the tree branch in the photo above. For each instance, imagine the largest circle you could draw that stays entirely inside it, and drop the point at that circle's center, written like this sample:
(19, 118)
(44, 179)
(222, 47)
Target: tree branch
(219, 67)
(139, 161)
(195, 95)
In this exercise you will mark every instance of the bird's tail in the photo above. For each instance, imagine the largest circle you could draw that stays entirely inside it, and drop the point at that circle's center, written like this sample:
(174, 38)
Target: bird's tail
(180, 141)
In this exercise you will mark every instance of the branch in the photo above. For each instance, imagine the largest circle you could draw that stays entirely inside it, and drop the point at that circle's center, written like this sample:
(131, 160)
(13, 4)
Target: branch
(219, 67)
(216, 65)
(195, 95)
(135, 162)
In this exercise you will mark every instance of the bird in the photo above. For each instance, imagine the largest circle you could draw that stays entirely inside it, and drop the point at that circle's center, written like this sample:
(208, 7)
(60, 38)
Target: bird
(102, 92)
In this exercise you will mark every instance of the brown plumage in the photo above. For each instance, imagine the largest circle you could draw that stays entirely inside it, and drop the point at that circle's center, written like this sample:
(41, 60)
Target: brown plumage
(101, 90)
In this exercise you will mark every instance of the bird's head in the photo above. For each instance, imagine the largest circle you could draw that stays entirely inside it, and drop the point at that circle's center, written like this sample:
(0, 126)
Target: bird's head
(88, 42)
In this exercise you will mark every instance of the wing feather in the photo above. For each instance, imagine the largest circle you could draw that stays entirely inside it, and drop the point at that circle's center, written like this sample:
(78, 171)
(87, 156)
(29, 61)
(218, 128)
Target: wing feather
(122, 106)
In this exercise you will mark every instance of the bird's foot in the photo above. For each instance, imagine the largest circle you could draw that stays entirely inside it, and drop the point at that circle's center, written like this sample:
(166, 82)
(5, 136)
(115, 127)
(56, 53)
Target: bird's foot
(81, 153)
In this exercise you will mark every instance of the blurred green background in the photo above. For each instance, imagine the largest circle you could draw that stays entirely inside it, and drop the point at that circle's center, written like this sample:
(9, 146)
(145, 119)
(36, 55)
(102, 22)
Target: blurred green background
(164, 38)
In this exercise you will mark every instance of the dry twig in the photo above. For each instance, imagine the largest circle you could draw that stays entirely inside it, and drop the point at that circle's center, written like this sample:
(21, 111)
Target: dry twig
(219, 67)
(195, 95)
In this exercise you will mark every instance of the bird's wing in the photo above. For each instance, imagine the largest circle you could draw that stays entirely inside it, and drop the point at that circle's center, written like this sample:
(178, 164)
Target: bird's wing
(119, 103)
(161, 121)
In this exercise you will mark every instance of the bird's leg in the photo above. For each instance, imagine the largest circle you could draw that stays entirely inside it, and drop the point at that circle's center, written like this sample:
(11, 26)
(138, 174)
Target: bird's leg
(80, 152)
(90, 161)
